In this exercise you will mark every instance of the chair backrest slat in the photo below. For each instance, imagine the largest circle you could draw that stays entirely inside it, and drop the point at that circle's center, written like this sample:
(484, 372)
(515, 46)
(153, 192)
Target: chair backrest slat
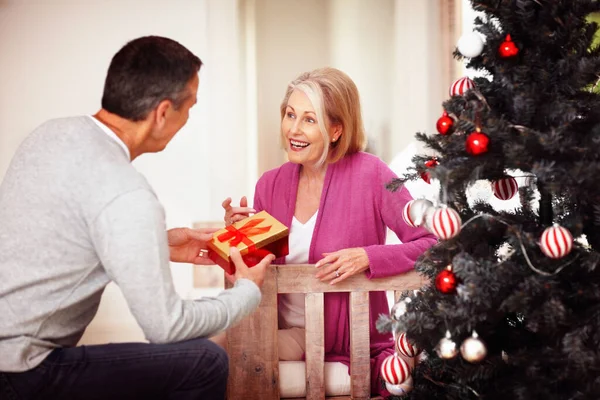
(315, 346)
(300, 278)
(360, 358)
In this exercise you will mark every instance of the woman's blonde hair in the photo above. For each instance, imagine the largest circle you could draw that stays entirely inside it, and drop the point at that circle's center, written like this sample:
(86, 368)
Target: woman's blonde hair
(336, 101)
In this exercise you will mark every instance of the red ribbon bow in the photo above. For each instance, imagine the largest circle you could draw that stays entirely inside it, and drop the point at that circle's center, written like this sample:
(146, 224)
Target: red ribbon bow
(236, 236)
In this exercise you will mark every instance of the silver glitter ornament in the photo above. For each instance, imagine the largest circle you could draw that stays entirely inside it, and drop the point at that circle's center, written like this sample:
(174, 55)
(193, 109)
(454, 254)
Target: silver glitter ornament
(473, 349)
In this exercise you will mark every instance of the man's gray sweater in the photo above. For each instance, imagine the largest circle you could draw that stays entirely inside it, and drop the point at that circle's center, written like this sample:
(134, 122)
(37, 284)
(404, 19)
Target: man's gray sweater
(75, 215)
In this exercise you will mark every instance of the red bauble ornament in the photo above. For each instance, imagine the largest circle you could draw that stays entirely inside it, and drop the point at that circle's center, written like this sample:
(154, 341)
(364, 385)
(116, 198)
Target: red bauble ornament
(556, 241)
(461, 85)
(477, 143)
(429, 164)
(505, 188)
(445, 223)
(394, 370)
(508, 48)
(446, 281)
(404, 347)
(444, 124)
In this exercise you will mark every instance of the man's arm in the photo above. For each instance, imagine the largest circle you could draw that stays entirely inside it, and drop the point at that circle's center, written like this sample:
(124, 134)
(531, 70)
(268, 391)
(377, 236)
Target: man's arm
(130, 238)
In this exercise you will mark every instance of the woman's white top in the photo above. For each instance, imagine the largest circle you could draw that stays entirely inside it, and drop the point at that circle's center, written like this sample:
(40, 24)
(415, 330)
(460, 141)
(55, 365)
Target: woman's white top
(291, 305)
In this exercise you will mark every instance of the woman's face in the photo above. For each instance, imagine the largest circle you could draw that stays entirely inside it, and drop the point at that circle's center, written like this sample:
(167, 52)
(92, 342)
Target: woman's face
(301, 133)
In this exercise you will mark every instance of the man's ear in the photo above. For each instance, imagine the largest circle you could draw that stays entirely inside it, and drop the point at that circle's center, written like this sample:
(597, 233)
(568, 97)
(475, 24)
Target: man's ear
(161, 112)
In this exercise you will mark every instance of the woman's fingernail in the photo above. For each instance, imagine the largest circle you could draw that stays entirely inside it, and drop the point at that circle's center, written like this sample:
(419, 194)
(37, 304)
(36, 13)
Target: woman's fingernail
(252, 210)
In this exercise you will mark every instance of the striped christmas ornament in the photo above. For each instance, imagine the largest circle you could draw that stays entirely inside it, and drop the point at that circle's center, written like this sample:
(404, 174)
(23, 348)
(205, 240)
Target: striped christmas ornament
(556, 241)
(505, 188)
(404, 347)
(460, 86)
(414, 212)
(445, 223)
(395, 370)
(400, 390)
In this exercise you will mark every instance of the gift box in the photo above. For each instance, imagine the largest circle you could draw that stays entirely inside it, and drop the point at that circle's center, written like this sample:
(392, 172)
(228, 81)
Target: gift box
(255, 237)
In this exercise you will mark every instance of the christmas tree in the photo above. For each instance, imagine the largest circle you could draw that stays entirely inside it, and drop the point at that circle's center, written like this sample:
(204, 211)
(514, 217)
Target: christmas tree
(513, 306)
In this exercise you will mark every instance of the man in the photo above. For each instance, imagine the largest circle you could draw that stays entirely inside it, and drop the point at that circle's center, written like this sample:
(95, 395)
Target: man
(75, 215)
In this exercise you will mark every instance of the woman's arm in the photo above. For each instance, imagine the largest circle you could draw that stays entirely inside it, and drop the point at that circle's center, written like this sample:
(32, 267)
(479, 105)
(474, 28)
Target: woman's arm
(387, 260)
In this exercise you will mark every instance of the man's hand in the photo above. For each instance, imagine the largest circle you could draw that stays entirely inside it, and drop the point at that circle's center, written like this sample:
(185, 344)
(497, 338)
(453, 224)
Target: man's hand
(185, 245)
(256, 274)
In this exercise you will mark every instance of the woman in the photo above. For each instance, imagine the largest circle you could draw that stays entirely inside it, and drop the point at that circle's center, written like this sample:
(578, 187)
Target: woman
(333, 197)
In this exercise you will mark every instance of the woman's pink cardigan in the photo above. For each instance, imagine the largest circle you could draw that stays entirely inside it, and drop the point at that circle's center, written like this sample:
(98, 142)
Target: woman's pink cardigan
(354, 211)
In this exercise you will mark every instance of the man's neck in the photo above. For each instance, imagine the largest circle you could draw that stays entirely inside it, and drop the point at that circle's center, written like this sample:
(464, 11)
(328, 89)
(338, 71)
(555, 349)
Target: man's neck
(132, 133)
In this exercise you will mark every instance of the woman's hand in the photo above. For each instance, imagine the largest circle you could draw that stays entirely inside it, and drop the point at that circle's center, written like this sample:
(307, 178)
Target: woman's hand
(235, 214)
(342, 264)
(189, 245)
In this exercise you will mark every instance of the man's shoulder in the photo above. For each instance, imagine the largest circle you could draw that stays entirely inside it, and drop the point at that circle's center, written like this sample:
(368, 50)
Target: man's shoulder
(76, 150)
(60, 125)
(66, 134)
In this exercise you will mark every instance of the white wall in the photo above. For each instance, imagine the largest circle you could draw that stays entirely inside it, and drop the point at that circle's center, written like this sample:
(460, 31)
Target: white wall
(362, 45)
(291, 37)
(418, 90)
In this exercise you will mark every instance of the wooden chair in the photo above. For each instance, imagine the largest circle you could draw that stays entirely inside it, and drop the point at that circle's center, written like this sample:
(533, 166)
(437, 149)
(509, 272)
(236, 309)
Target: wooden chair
(252, 344)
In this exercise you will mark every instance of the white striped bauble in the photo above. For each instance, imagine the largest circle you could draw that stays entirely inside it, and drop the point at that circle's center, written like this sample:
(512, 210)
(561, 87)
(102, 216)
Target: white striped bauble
(556, 241)
(404, 347)
(414, 212)
(402, 389)
(395, 370)
(445, 223)
(505, 188)
(461, 85)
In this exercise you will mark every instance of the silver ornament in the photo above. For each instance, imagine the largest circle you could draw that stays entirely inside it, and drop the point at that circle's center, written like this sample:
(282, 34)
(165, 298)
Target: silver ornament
(473, 349)
(401, 389)
(399, 309)
(428, 219)
(446, 347)
(418, 210)
(470, 44)
(529, 180)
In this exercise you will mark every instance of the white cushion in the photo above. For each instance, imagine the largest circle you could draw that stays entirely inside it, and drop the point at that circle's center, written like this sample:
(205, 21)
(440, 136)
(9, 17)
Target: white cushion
(292, 379)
